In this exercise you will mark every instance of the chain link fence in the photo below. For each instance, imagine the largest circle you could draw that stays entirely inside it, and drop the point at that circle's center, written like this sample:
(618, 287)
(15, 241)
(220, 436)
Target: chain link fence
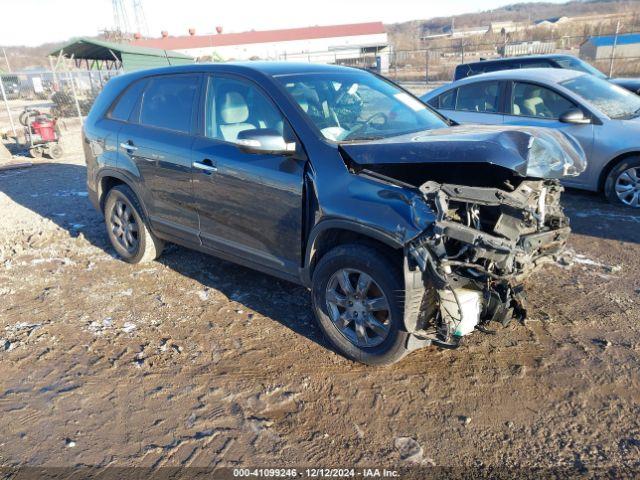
(436, 63)
(66, 96)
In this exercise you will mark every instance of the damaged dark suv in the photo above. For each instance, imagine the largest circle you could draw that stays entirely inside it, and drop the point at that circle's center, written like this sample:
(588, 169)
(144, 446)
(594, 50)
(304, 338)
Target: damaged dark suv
(407, 230)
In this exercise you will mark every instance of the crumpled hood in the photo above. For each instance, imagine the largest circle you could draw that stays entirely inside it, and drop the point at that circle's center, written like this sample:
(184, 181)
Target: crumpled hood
(504, 146)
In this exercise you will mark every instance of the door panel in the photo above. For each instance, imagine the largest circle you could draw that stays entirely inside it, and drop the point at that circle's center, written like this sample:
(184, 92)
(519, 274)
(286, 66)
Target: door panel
(159, 146)
(249, 205)
(163, 160)
(464, 118)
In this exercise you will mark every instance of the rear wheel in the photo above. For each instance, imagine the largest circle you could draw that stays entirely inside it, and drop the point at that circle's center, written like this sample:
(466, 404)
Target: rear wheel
(55, 151)
(127, 229)
(357, 299)
(622, 186)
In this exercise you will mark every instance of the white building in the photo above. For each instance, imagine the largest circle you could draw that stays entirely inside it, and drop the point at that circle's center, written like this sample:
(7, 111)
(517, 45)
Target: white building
(361, 44)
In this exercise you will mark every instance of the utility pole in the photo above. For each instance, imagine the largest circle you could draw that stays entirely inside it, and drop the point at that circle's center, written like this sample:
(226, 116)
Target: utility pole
(140, 18)
(613, 49)
(426, 66)
(120, 19)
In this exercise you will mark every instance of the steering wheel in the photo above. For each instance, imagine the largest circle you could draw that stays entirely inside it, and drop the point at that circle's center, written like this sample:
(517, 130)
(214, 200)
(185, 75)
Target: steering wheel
(361, 125)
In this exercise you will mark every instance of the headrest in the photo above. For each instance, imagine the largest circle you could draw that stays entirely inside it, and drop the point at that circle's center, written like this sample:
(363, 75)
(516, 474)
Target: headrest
(234, 108)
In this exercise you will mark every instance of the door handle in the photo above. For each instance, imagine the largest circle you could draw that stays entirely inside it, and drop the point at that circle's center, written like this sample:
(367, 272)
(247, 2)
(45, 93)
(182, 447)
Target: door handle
(128, 146)
(206, 166)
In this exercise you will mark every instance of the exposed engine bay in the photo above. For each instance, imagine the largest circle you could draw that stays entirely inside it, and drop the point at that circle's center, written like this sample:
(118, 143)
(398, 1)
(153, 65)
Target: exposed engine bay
(484, 243)
(485, 203)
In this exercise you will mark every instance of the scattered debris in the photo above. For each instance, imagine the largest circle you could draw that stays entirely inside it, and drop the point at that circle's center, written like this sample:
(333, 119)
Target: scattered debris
(602, 342)
(128, 327)
(409, 449)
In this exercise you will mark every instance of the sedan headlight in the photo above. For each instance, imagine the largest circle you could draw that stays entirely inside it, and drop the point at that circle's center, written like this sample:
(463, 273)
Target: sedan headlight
(554, 158)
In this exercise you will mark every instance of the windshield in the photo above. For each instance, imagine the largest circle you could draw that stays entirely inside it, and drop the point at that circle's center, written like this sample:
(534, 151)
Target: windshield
(358, 106)
(613, 101)
(580, 65)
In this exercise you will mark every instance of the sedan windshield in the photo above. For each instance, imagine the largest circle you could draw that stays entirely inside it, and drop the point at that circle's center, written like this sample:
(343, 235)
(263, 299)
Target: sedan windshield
(357, 106)
(613, 101)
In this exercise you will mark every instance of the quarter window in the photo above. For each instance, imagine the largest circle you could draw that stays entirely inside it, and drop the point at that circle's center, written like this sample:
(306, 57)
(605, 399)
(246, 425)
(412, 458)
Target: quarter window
(531, 100)
(168, 102)
(234, 106)
(478, 97)
(127, 101)
(445, 101)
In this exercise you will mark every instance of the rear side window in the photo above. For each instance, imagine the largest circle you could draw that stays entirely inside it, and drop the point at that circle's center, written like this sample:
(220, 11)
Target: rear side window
(445, 101)
(538, 64)
(168, 102)
(127, 102)
(462, 71)
(478, 97)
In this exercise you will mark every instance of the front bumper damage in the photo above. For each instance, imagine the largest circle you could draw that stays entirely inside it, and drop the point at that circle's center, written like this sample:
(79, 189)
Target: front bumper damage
(467, 269)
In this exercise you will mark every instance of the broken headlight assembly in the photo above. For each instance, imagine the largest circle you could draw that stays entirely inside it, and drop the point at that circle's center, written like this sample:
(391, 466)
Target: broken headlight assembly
(546, 159)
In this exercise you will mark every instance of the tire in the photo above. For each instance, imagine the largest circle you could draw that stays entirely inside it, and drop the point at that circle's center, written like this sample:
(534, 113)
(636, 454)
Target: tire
(387, 278)
(55, 151)
(146, 247)
(24, 117)
(622, 176)
(35, 152)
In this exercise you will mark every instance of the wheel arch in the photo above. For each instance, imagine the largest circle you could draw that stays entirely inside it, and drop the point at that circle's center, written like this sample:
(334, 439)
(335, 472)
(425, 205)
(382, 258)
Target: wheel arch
(611, 165)
(331, 233)
(107, 179)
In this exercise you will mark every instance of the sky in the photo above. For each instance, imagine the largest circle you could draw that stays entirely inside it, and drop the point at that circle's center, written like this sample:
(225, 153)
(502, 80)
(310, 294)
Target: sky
(56, 20)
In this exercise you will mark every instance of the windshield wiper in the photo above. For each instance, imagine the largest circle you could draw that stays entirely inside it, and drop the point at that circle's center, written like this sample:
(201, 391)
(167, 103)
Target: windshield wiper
(360, 139)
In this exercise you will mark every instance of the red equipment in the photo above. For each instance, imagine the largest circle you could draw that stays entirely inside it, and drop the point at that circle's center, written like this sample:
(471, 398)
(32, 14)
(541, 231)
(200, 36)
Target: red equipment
(42, 134)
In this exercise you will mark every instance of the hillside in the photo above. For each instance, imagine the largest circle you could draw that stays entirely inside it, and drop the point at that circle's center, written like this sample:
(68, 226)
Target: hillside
(406, 35)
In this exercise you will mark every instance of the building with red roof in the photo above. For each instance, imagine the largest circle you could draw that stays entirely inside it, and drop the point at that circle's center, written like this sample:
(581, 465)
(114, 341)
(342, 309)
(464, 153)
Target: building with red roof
(360, 44)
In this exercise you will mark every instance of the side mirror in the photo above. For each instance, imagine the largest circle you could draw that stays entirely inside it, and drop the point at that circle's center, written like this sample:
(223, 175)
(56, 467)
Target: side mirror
(575, 116)
(266, 141)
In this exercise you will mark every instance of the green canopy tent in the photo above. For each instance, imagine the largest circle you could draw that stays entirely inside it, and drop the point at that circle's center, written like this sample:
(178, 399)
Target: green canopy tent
(98, 54)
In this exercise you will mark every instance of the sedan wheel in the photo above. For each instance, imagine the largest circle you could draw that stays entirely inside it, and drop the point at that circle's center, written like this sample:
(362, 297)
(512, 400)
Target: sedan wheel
(628, 187)
(358, 307)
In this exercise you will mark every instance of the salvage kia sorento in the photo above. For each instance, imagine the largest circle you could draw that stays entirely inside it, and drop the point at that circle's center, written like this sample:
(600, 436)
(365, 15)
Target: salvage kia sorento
(408, 230)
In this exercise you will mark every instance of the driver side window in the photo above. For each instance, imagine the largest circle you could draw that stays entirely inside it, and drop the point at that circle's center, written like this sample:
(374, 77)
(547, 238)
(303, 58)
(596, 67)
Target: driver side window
(233, 106)
(530, 100)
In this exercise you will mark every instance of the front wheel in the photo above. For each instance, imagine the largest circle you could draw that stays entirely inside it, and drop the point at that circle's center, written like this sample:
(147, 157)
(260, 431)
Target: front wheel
(357, 295)
(127, 229)
(622, 186)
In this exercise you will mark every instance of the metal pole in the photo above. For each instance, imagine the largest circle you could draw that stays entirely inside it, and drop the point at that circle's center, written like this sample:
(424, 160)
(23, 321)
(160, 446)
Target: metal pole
(6, 59)
(6, 105)
(75, 95)
(426, 66)
(613, 49)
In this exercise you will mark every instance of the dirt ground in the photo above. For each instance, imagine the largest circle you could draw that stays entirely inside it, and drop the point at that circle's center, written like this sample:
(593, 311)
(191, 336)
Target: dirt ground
(193, 361)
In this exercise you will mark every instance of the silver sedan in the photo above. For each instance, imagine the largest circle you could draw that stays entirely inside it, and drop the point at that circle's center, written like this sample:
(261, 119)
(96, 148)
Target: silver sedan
(603, 117)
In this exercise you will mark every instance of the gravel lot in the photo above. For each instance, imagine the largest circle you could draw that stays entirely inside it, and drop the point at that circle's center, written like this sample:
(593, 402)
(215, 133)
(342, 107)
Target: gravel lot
(194, 361)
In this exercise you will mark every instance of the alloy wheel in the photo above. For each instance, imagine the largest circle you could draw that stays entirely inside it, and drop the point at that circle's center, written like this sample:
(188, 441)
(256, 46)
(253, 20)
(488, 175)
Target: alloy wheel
(358, 307)
(628, 187)
(124, 226)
